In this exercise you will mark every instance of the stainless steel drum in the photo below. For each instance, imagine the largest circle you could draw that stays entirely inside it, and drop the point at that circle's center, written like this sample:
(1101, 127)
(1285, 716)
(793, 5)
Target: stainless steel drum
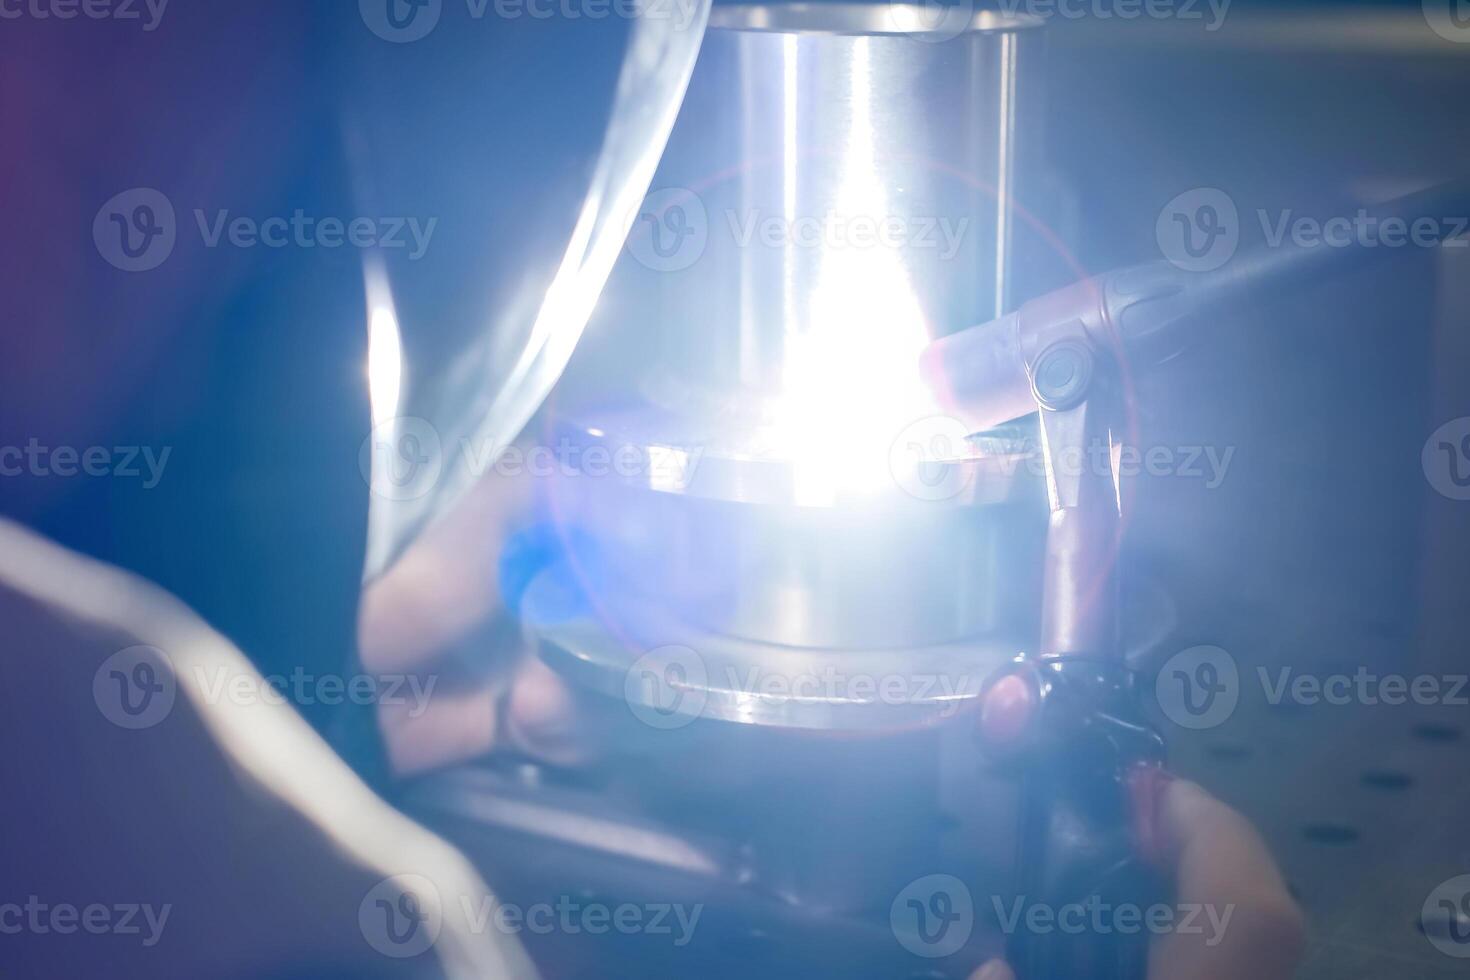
(839, 188)
(854, 177)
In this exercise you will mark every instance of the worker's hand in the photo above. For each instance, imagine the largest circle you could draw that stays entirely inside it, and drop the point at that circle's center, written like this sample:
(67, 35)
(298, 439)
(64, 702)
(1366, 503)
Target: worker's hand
(436, 617)
(1219, 861)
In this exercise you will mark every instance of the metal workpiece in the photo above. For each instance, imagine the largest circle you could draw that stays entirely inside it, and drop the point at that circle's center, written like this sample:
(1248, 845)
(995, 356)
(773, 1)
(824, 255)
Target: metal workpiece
(851, 579)
(712, 536)
(615, 645)
(857, 174)
(736, 455)
(840, 187)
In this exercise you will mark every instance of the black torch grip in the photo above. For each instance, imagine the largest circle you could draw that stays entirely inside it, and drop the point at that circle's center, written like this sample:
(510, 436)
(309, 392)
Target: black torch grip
(1083, 891)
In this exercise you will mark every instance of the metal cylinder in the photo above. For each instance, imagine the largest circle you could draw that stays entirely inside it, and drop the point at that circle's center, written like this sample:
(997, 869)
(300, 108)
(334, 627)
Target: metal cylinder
(854, 169)
(838, 190)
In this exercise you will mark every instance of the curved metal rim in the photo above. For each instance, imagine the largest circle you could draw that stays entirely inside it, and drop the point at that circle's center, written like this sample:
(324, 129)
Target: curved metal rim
(860, 19)
(727, 470)
(592, 658)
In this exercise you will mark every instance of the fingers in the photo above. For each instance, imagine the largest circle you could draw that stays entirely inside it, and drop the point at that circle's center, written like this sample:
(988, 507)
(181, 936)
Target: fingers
(1251, 927)
(446, 727)
(545, 721)
(994, 970)
(430, 620)
(446, 585)
(448, 721)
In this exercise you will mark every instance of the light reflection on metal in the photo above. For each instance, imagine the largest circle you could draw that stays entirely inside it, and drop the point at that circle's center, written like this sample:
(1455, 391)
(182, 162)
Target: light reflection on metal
(385, 347)
(786, 365)
(484, 390)
(851, 373)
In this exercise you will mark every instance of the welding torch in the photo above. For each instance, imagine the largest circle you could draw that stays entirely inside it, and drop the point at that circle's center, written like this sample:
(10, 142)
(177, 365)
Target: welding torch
(1069, 717)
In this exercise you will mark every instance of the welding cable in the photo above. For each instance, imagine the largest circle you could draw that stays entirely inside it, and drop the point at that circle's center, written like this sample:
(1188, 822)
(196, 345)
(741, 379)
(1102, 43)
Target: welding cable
(1150, 313)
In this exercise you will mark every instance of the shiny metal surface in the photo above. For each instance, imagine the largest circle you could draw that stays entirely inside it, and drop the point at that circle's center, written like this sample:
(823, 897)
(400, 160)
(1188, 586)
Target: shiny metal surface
(893, 575)
(837, 190)
(856, 180)
(483, 327)
(718, 459)
(725, 678)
